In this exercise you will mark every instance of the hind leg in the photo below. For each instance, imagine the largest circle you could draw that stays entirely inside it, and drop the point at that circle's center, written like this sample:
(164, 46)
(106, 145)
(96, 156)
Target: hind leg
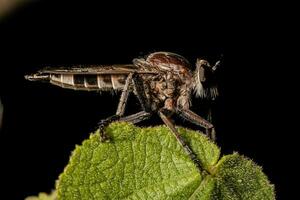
(120, 111)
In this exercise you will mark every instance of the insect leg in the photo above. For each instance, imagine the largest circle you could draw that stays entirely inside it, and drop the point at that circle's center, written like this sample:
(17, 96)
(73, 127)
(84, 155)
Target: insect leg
(120, 111)
(137, 117)
(209, 115)
(196, 119)
(124, 96)
(187, 149)
(139, 91)
(134, 118)
(104, 123)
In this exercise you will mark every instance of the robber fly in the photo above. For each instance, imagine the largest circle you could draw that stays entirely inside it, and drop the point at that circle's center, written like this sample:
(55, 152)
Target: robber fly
(162, 81)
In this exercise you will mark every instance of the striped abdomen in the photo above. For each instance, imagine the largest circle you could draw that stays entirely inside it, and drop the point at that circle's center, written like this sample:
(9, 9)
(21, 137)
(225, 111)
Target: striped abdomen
(89, 82)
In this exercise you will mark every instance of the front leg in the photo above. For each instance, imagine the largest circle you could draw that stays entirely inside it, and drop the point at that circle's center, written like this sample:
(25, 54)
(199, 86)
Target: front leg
(196, 119)
(187, 149)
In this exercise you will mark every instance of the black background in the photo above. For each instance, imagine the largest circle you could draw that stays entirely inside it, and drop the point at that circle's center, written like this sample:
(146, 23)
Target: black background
(42, 123)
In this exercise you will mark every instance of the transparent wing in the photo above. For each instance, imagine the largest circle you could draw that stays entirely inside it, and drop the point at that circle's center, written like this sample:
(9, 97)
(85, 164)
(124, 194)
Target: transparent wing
(98, 69)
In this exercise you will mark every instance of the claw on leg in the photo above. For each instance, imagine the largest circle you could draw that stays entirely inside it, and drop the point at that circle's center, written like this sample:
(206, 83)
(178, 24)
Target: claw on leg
(103, 137)
(103, 124)
(211, 133)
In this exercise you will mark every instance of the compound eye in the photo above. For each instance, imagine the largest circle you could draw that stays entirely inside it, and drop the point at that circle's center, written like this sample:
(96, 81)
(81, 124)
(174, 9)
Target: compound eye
(203, 63)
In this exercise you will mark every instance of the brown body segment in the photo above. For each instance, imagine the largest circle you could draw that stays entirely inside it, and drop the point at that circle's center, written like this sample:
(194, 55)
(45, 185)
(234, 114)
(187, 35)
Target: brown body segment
(168, 61)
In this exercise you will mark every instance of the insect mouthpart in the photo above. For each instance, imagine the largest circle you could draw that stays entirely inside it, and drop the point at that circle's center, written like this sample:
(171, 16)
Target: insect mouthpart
(37, 77)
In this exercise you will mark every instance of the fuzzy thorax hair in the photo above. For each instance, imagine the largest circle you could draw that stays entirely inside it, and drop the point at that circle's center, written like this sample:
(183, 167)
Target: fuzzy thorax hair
(203, 86)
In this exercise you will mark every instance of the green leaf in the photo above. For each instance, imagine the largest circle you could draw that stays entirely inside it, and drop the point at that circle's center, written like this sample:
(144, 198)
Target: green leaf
(43, 196)
(148, 163)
